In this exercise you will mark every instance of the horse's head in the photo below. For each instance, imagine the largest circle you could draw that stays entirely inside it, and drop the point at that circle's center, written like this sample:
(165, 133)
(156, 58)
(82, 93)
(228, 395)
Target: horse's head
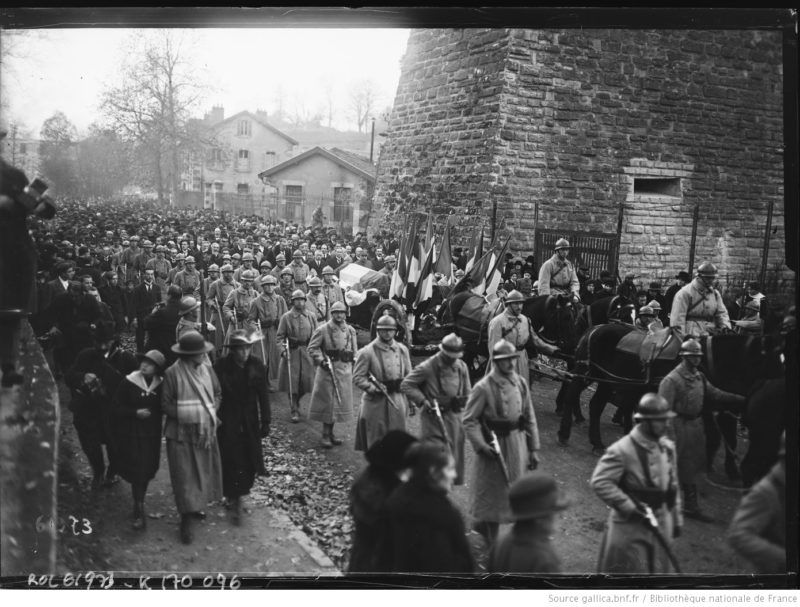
(560, 323)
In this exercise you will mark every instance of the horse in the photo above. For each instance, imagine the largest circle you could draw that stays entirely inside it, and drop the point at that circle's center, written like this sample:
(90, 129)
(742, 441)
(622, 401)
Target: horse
(604, 310)
(734, 363)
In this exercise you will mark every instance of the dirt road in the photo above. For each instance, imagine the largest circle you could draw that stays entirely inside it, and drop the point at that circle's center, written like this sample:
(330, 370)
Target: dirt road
(305, 496)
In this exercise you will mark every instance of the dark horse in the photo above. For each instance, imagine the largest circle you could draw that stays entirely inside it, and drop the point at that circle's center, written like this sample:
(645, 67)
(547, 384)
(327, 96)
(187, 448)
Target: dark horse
(604, 310)
(734, 363)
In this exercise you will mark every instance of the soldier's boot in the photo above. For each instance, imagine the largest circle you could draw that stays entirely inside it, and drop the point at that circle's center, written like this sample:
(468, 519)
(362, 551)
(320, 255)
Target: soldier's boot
(139, 521)
(691, 507)
(186, 528)
(236, 511)
(295, 404)
(326, 436)
(336, 441)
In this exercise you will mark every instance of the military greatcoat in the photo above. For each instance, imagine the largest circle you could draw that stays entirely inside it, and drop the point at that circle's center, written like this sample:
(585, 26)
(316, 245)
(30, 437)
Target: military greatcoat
(298, 328)
(268, 309)
(339, 343)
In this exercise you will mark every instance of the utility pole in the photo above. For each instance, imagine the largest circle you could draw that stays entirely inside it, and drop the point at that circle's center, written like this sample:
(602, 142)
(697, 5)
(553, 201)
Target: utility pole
(372, 141)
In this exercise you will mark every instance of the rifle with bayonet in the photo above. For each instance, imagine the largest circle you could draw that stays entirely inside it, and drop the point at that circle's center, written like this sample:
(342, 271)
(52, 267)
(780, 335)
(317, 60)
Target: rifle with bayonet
(289, 368)
(382, 390)
(326, 360)
(203, 325)
(651, 522)
(495, 445)
(437, 410)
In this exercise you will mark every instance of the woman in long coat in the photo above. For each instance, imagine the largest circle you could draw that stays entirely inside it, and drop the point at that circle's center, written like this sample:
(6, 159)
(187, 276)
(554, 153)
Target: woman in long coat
(244, 416)
(368, 495)
(268, 310)
(190, 399)
(426, 532)
(334, 340)
(136, 428)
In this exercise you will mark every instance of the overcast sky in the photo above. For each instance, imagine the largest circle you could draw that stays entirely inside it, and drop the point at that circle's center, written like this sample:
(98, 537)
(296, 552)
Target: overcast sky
(67, 69)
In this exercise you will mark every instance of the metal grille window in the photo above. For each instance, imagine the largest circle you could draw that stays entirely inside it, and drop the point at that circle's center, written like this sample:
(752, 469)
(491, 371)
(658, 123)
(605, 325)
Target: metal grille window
(242, 188)
(294, 202)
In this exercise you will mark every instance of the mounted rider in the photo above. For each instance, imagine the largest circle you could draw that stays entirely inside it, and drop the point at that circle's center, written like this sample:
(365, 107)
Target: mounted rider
(698, 309)
(557, 276)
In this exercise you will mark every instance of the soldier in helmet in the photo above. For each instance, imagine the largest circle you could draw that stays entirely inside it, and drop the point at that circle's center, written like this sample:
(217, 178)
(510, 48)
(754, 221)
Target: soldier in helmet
(280, 264)
(237, 304)
(267, 309)
(247, 264)
(266, 268)
(557, 275)
(658, 311)
(286, 286)
(513, 326)
(688, 391)
(330, 289)
(445, 379)
(640, 469)
(216, 296)
(316, 302)
(501, 404)
(698, 309)
(188, 279)
(299, 270)
(645, 318)
(294, 333)
(388, 362)
(333, 347)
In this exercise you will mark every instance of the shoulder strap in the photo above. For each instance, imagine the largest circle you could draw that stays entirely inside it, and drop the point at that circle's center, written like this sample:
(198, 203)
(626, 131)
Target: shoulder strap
(642, 455)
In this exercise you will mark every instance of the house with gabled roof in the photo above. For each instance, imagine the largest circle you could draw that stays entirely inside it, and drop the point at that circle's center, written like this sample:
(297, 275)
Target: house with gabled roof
(333, 186)
(238, 148)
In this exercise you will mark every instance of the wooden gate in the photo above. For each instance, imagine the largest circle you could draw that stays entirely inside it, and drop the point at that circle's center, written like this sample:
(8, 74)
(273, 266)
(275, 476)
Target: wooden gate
(594, 250)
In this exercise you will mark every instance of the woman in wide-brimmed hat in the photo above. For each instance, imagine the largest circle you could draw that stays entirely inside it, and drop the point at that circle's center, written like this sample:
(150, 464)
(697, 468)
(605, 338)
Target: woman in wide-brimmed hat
(190, 399)
(136, 428)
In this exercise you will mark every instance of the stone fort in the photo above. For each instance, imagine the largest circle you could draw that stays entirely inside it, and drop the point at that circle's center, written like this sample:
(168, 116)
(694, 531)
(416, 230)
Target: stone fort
(640, 135)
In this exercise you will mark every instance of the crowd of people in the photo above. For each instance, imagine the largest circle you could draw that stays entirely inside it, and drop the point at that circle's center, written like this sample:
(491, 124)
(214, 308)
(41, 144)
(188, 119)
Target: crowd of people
(229, 310)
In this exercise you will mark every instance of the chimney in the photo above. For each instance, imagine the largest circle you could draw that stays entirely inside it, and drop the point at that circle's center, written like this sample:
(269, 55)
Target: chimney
(217, 114)
(261, 114)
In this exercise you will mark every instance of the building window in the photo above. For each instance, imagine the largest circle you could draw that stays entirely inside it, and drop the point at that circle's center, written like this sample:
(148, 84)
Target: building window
(243, 128)
(243, 161)
(269, 160)
(242, 189)
(294, 202)
(342, 205)
(653, 186)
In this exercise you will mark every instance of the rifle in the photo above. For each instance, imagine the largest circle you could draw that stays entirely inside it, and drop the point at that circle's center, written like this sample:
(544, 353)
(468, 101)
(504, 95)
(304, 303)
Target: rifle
(438, 411)
(289, 368)
(495, 444)
(261, 339)
(327, 361)
(652, 523)
(203, 326)
(382, 390)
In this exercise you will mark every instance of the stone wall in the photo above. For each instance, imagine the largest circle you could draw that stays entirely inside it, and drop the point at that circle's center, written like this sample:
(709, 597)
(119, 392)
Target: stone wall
(564, 122)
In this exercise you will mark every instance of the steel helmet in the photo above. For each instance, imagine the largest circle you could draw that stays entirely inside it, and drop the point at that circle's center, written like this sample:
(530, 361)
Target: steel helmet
(646, 311)
(298, 294)
(213, 268)
(286, 271)
(327, 270)
(249, 275)
(315, 282)
(452, 345)
(187, 305)
(515, 297)
(297, 253)
(707, 269)
(561, 243)
(248, 257)
(655, 305)
(653, 406)
(386, 322)
(269, 279)
(226, 268)
(265, 264)
(338, 306)
(504, 349)
(280, 257)
(189, 259)
(690, 347)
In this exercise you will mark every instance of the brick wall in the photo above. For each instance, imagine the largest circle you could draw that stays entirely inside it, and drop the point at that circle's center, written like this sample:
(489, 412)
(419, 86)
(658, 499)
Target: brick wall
(566, 121)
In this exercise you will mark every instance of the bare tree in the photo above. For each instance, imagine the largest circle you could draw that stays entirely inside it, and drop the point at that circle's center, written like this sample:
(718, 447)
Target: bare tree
(363, 97)
(327, 87)
(153, 104)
